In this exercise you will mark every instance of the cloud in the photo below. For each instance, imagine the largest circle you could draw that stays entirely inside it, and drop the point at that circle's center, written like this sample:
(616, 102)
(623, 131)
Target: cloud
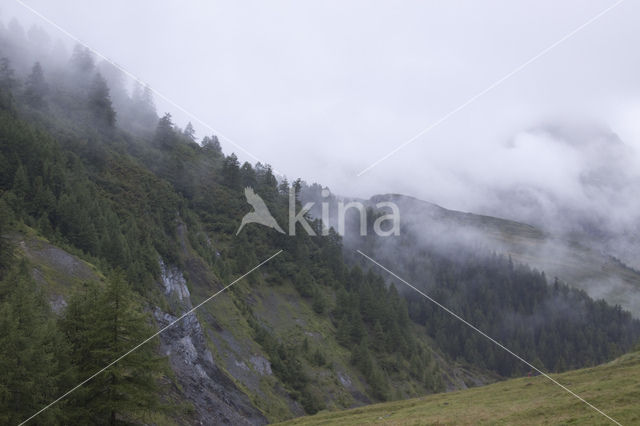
(323, 89)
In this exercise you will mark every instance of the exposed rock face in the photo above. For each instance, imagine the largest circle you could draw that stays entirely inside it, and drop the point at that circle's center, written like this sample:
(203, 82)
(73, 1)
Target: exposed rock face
(174, 283)
(215, 397)
(261, 364)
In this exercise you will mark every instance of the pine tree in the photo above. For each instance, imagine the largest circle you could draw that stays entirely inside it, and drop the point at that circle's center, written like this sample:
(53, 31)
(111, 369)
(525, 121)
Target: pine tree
(116, 80)
(100, 101)
(146, 100)
(102, 325)
(6, 248)
(143, 108)
(231, 172)
(283, 188)
(165, 135)
(21, 188)
(35, 87)
(357, 330)
(82, 59)
(361, 358)
(189, 132)
(379, 341)
(212, 144)
(342, 333)
(7, 79)
(318, 303)
(6, 85)
(33, 357)
(248, 175)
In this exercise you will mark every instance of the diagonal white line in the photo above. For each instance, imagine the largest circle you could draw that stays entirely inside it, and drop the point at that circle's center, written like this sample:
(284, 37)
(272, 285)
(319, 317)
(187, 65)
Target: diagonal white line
(134, 77)
(458, 317)
(147, 340)
(491, 87)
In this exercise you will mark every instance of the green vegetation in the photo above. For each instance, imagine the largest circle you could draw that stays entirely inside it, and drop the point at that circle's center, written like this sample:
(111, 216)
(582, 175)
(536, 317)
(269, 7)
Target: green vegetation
(43, 356)
(612, 387)
(34, 359)
(101, 324)
(550, 324)
(88, 168)
(116, 199)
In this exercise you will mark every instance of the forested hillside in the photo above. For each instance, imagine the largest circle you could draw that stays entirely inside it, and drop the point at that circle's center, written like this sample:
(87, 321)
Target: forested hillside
(91, 172)
(131, 203)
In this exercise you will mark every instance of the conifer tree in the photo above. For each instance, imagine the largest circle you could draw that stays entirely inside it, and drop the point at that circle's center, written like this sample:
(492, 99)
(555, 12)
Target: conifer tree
(82, 59)
(212, 144)
(102, 325)
(6, 248)
(248, 175)
(189, 132)
(165, 134)
(231, 171)
(35, 87)
(33, 357)
(142, 108)
(7, 79)
(21, 187)
(283, 188)
(100, 101)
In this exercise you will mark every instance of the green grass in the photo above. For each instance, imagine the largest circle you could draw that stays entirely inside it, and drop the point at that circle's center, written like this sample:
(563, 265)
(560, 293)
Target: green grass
(614, 388)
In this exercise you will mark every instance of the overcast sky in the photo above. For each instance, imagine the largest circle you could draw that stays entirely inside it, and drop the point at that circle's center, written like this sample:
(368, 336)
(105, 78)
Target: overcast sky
(322, 89)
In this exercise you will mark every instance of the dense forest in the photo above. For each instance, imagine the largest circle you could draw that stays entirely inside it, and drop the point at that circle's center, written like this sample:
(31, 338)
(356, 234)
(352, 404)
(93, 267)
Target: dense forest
(115, 198)
(94, 170)
(547, 322)
(554, 326)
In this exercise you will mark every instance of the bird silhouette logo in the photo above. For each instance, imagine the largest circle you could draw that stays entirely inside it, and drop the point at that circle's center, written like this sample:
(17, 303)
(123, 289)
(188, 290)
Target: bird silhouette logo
(260, 213)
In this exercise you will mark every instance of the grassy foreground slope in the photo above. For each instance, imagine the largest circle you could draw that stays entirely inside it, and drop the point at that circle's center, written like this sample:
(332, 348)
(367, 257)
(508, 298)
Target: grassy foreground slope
(613, 387)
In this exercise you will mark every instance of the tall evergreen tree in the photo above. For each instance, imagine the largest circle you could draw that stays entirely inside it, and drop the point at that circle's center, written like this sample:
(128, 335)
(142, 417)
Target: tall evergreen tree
(212, 144)
(231, 171)
(142, 110)
(6, 248)
(100, 101)
(7, 79)
(248, 175)
(33, 357)
(189, 132)
(102, 325)
(165, 134)
(82, 59)
(35, 87)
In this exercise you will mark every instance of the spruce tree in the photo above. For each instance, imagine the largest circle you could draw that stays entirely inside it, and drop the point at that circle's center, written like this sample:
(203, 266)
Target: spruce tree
(7, 79)
(6, 248)
(189, 132)
(231, 172)
(82, 59)
(100, 101)
(35, 87)
(212, 144)
(165, 135)
(248, 175)
(102, 325)
(33, 356)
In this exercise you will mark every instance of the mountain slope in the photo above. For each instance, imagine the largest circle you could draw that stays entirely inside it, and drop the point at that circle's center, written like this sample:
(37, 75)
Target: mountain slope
(573, 262)
(104, 199)
(612, 387)
(163, 210)
(599, 274)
